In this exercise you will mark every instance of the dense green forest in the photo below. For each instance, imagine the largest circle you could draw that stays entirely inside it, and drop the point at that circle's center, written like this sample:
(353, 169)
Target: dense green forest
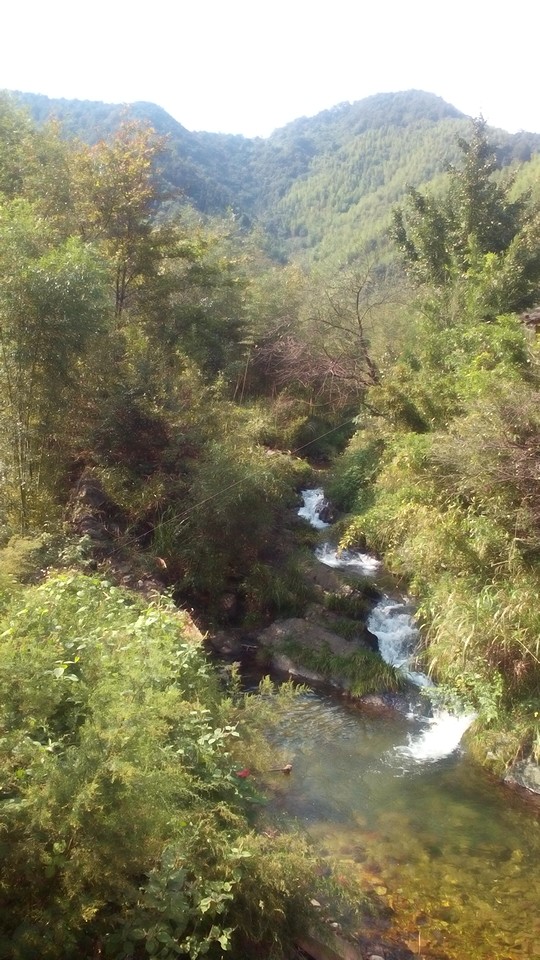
(188, 323)
(322, 187)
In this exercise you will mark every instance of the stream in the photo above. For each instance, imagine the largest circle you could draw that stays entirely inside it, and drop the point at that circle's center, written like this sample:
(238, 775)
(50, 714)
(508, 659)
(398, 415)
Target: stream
(398, 802)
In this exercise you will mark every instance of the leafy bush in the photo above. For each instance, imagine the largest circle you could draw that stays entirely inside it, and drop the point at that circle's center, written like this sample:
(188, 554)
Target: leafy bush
(354, 469)
(124, 826)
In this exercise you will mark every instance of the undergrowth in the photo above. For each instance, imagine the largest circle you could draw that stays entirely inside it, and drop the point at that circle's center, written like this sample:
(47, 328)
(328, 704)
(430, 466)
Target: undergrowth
(130, 786)
(364, 671)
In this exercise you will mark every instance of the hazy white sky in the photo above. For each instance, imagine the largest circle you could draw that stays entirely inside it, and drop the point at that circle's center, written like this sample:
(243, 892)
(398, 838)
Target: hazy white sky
(248, 67)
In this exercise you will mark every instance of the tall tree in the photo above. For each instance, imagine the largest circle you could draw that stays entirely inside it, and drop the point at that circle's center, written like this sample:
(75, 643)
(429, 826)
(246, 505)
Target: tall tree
(52, 303)
(476, 232)
(118, 197)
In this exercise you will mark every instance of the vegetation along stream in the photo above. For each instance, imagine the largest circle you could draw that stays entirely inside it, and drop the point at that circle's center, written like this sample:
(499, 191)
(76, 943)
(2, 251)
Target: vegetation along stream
(397, 800)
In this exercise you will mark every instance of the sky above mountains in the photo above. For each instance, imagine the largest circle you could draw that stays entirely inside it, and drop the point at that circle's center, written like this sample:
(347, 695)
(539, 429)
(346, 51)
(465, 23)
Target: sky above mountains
(247, 66)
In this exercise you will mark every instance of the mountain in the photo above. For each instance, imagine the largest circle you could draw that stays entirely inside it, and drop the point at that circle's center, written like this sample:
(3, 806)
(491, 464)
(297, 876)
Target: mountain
(321, 187)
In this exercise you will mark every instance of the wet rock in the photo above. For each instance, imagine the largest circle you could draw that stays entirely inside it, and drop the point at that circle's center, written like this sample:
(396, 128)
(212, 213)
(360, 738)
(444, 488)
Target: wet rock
(327, 513)
(226, 643)
(337, 949)
(284, 664)
(356, 631)
(384, 703)
(89, 526)
(524, 774)
(306, 632)
(371, 640)
(92, 512)
(90, 491)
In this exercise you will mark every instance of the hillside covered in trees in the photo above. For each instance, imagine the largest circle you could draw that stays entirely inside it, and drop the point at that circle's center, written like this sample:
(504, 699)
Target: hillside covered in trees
(321, 187)
(189, 322)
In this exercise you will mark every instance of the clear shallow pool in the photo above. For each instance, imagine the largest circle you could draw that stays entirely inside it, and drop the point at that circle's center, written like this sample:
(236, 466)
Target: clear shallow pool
(455, 855)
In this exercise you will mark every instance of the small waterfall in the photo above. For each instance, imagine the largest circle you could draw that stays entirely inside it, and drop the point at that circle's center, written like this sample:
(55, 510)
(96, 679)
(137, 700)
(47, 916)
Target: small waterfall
(314, 502)
(439, 738)
(393, 624)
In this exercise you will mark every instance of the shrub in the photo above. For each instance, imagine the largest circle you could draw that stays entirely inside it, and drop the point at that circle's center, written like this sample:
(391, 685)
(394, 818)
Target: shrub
(124, 828)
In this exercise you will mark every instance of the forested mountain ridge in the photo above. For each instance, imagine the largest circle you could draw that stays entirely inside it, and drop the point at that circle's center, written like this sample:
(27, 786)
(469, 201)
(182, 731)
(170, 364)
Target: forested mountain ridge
(321, 186)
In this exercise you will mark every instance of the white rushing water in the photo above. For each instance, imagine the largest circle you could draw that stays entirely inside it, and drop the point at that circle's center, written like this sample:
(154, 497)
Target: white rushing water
(343, 559)
(314, 502)
(439, 735)
(392, 622)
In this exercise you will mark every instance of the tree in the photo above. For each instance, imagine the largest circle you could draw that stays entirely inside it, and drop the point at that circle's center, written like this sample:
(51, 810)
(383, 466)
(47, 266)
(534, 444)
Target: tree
(15, 131)
(475, 235)
(117, 199)
(52, 303)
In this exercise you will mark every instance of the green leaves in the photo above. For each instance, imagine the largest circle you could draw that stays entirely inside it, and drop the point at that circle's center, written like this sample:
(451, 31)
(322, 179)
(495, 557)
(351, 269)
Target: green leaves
(476, 237)
(122, 820)
(52, 306)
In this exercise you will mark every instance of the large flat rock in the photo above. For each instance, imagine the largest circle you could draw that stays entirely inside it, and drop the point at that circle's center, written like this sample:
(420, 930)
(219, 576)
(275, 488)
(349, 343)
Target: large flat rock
(306, 632)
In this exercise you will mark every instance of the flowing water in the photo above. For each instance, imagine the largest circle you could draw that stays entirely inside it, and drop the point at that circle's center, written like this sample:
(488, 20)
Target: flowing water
(398, 802)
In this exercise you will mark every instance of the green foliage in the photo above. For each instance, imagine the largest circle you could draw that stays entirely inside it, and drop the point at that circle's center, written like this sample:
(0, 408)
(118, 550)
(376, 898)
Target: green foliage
(364, 671)
(237, 493)
(355, 604)
(441, 471)
(123, 821)
(322, 187)
(215, 354)
(52, 303)
(354, 470)
(24, 558)
(454, 512)
(271, 592)
(477, 230)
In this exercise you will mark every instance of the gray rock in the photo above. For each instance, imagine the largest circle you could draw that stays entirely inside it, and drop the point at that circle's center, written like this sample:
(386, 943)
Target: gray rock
(525, 773)
(327, 512)
(384, 703)
(306, 632)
